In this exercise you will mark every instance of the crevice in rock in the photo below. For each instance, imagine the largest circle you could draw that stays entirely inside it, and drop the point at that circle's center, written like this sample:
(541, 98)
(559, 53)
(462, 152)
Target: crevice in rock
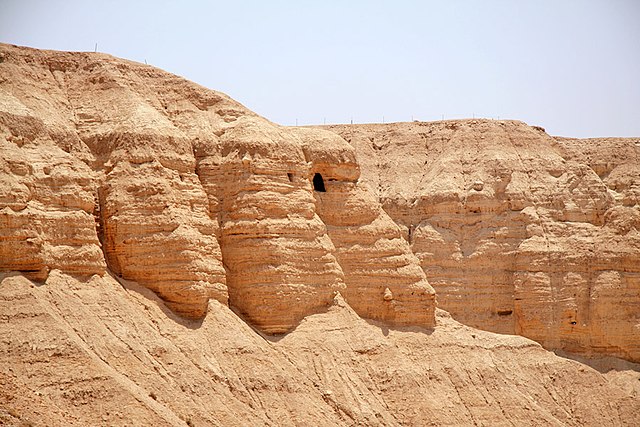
(101, 229)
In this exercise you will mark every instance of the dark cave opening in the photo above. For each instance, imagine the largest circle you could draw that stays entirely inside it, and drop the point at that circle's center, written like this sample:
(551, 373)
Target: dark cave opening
(318, 183)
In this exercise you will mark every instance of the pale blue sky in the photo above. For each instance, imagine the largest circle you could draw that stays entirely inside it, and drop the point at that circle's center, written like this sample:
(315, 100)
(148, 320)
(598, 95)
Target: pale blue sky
(570, 66)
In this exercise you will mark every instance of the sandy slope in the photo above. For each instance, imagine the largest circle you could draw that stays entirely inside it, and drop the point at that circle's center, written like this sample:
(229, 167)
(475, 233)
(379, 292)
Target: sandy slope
(105, 353)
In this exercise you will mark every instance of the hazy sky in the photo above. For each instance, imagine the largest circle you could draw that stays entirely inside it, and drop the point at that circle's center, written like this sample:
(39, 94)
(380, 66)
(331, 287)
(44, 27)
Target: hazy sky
(570, 66)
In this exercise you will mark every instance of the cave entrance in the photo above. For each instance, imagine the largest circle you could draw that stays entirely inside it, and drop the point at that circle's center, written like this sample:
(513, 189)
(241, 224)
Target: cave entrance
(318, 183)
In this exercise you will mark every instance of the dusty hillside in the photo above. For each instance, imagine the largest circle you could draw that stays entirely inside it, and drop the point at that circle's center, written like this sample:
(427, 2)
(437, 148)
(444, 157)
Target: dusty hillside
(99, 352)
(167, 257)
(517, 231)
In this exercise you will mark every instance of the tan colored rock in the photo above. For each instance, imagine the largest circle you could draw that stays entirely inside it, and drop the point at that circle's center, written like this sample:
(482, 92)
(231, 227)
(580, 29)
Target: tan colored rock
(157, 231)
(47, 201)
(102, 352)
(369, 245)
(280, 261)
(616, 161)
(196, 197)
(151, 210)
(153, 213)
(518, 232)
(108, 166)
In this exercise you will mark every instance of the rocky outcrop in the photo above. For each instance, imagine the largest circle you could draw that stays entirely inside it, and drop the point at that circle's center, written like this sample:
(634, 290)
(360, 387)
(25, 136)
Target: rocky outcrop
(191, 195)
(157, 231)
(616, 161)
(280, 261)
(46, 200)
(518, 232)
(133, 201)
(383, 277)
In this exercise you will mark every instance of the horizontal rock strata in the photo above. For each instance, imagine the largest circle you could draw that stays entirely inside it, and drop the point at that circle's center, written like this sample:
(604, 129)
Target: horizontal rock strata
(517, 231)
(113, 166)
(383, 277)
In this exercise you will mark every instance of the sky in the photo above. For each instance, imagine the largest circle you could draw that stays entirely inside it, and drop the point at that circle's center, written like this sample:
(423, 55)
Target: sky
(570, 66)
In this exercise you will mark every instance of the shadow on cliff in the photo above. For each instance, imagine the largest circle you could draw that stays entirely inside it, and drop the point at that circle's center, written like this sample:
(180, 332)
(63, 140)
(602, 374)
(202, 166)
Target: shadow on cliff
(127, 285)
(385, 328)
(381, 326)
(341, 318)
(148, 294)
(602, 364)
(270, 338)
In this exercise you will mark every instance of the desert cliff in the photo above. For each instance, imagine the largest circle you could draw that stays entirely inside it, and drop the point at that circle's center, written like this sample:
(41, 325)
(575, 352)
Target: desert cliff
(168, 257)
(517, 231)
(191, 195)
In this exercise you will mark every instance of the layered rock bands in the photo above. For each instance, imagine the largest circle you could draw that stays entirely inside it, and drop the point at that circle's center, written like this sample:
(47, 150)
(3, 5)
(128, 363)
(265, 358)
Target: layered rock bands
(517, 231)
(113, 167)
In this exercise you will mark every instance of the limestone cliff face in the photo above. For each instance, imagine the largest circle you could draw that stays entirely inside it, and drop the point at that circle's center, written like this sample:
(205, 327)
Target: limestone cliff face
(133, 202)
(518, 232)
(106, 352)
(157, 231)
(47, 199)
(383, 277)
(113, 166)
(280, 261)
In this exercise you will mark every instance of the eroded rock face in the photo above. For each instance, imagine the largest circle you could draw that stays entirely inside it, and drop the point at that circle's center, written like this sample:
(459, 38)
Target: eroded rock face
(518, 232)
(280, 261)
(152, 210)
(46, 201)
(383, 277)
(141, 367)
(113, 166)
(157, 231)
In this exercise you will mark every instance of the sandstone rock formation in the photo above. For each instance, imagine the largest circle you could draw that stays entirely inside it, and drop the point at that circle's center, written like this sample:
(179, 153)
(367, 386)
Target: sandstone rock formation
(517, 231)
(191, 195)
(154, 235)
(383, 277)
(280, 261)
(47, 200)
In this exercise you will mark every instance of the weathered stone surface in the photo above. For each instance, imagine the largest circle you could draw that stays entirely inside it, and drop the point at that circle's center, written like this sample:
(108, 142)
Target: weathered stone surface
(196, 197)
(518, 232)
(102, 352)
(157, 231)
(616, 161)
(383, 277)
(151, 210)
(110, 168)
(46, 202)
(280, 261)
